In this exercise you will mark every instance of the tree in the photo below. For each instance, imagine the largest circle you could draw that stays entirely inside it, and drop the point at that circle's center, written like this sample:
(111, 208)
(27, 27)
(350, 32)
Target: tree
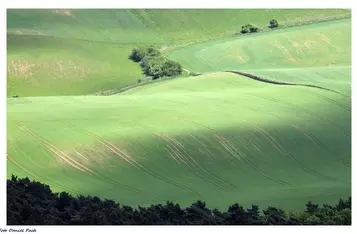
(248, 28)
(253, 29)
(155, 71)
(137, 54)
(171, 68)
(273, 23)
(245, 29)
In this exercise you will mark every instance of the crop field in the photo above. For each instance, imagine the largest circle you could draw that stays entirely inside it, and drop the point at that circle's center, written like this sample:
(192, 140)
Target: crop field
(219, 137)
(77, 52)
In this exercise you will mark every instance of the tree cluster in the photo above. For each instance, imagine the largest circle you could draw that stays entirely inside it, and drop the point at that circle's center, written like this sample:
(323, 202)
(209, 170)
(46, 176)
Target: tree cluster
(248, 28)
(154, 64)
(33, 203)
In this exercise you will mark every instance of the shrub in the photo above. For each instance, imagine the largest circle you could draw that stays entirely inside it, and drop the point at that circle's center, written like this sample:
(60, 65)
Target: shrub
(248, 28)
(253, 29)
(245, 29)
(273, 23)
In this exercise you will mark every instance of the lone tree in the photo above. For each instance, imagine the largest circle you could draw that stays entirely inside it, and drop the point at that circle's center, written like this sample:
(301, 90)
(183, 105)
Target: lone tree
(273, 23)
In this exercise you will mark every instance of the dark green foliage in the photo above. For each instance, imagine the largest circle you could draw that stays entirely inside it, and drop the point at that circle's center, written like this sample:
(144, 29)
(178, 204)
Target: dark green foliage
(137, 54)
(33, 203)
(248, 28)
(273, 23)
(171, 68)
(245, 29)
(154, 64)
(253, 29)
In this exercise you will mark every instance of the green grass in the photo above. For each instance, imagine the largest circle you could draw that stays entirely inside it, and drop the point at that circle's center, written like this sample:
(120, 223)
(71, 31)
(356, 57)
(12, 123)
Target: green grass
(77, 52)
(318, 54)
(219, 137)
(41, 66)
(238, 139)
(156, 26)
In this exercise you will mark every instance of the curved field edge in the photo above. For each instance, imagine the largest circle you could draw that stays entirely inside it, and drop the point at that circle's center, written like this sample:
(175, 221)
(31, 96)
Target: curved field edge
(76, 54)
(317, 45)
(214, 137)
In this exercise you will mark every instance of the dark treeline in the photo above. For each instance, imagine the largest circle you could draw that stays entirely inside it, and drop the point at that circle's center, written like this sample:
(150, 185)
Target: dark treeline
(33, 203)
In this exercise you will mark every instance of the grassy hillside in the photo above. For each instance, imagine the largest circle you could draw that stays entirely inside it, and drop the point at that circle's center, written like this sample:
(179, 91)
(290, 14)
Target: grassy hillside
(318, 54)
(71, 52)
(43, 66)
(155, 26)
(219, 137)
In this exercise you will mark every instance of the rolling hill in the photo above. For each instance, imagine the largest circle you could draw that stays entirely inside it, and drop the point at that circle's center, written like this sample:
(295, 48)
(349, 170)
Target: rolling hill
(219, 137)
(85, 51)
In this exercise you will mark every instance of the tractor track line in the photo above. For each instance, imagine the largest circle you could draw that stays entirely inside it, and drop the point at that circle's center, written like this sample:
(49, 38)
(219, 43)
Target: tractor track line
(194, 169)
(90, 172)
(285, 152)
(177, 152)
(293, 106)
(198, 173)
(133, 163)
(319, 144)
(254, 167)
(18, 165)
(214, 177)
(174, 143)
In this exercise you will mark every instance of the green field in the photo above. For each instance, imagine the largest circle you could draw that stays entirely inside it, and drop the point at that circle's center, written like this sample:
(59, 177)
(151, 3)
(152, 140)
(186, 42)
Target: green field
(77, 52)
(219, 137)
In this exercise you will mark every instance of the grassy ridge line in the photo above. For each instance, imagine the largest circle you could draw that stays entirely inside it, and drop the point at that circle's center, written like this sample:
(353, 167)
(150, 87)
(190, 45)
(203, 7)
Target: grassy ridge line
(281, 83)
(263, 30)
(178, 46)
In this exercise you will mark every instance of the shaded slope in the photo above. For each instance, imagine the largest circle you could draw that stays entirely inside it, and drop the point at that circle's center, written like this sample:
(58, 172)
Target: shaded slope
(227, 139)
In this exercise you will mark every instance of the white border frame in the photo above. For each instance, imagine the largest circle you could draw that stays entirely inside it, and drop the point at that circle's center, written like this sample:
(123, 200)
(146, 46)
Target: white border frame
(161, 4)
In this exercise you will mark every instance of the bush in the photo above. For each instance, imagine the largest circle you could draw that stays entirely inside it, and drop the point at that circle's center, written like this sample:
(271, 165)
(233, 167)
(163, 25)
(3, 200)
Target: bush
(245, 29)
(253, 29)
(248, 28)
(273, 23)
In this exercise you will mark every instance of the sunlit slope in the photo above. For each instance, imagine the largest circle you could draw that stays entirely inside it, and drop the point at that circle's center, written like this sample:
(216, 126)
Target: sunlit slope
(322, 44)
(318, 54)
(155, 26)
(43, 66)
(221, 137)
(75, 52)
